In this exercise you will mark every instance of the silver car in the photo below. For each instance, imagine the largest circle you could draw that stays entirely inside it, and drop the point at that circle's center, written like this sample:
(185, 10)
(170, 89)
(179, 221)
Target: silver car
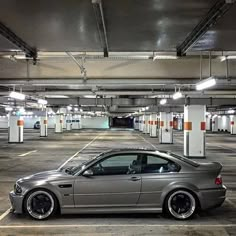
(123, 181)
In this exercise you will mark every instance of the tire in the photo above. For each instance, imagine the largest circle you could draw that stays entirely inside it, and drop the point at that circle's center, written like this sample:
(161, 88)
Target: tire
(181, 204)
(40, 204)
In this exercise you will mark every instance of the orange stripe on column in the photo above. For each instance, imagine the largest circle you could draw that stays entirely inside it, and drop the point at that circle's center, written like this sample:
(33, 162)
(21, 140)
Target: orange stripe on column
(232, 122)
(20, 123)
(156, 122)
(187, 125)
(151, 122)
(161, 123)
(171, 123)
(45, 122)
(203, 125)
(61, 121)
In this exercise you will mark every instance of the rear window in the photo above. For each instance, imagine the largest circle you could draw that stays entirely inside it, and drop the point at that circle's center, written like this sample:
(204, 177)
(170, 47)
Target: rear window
(184, 159)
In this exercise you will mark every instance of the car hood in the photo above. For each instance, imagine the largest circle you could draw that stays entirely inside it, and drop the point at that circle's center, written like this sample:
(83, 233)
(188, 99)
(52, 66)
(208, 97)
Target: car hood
(46, 175)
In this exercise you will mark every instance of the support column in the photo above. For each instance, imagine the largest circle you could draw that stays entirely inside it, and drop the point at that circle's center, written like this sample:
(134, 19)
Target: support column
(59, 123)
(140, 126)
(15, 129)
(194, 130)
(136, 123)
(153, 125)
(214, 124)
(145, 124)
(208, 122)
(76, 120)
(232, 124)
(166, 128)
(44, 126)
(68, 122)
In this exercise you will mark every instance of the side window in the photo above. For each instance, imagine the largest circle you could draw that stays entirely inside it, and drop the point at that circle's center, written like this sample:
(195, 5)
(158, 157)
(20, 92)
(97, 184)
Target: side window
(122, 164)
(156, 164)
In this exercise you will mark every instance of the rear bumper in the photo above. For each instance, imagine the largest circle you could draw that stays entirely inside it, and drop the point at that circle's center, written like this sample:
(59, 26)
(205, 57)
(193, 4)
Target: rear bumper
(212, 198)
(16, 202)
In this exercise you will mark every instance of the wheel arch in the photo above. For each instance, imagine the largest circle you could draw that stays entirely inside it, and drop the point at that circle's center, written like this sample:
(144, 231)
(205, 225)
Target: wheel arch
(185, 187)
(42, 188)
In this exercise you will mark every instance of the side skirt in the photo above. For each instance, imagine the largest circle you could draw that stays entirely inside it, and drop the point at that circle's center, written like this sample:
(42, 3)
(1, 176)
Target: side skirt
(110, 210)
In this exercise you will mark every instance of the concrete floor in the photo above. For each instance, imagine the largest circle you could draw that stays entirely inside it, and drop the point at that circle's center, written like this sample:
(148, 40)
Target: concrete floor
(40, 154)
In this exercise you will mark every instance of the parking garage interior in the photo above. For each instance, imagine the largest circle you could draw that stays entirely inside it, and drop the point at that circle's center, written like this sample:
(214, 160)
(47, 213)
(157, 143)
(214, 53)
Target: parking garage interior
(79, 78)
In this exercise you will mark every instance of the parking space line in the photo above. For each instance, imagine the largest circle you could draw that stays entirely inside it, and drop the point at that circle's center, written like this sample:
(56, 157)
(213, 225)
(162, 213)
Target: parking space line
(147, 141)
(230, 202)
(79, 152)
(117, 225)
(27, 153)
(3, 215)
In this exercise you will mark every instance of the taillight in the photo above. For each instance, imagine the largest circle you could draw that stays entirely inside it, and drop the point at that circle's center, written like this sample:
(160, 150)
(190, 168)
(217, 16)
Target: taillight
(218, 180)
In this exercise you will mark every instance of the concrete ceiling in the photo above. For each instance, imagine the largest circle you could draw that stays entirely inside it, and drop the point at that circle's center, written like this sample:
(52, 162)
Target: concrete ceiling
(135, 31)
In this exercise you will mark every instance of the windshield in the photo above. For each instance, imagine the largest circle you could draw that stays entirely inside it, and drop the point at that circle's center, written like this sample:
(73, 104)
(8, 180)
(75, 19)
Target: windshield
(72, 170)
(186, 160)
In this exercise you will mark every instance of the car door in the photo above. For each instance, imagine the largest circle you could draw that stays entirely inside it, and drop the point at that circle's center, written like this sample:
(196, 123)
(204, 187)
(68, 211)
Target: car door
(157, 172)
(116, 181)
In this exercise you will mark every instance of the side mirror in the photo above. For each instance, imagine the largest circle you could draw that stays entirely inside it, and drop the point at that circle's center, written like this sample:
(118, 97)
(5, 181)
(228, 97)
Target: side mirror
(88, 173)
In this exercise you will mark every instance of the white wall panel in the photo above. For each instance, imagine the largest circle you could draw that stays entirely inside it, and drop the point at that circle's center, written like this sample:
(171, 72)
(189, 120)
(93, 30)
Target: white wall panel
(95, 122)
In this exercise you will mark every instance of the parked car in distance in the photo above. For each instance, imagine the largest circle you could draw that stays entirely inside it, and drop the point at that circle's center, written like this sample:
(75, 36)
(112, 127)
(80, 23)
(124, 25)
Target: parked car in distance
(123, 181)
(37, 125)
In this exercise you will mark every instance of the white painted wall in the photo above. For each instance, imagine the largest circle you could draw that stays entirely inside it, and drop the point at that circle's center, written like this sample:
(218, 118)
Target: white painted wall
(95, 122)
(3, 122)
(86, 122)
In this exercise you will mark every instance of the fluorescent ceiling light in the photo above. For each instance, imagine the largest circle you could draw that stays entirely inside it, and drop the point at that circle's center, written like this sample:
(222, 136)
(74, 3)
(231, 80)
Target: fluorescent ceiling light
(8, 108)
(164, 57)
(228, 57)
(146, 108)
(177, 95)
(90, 96)
(69, 108)
(206, 83)
(19, 96)
(76, 109)
(163, 101)
(231, 111)
(42, 101)
(56, 96)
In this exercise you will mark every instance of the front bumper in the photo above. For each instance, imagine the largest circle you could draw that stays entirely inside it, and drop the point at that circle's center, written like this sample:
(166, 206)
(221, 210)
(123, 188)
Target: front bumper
(211, 198)
(16, 202)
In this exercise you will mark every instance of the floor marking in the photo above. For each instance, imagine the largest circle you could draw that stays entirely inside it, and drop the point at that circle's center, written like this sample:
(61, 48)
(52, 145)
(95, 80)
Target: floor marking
(3, 215)
(79, 151)
(147, 141)
(230, 202)
(118, 225)
(27, 153)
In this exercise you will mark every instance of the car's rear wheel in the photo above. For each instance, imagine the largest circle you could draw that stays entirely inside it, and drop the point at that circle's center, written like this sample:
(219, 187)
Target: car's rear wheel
(40, 204)
(181, 204)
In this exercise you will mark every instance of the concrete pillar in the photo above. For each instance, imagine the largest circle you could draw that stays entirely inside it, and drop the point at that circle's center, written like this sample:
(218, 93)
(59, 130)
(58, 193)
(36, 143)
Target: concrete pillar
(145, 124)
(208, 122)
(69, 122)
(214, 124)
(166, 128)
(153, 125)
(15, 129)
(140, 124)
(76, 122)
(194, 130)
(59, 123)
(136, 123)
(225, 123)
(232, 124)
(44, 126)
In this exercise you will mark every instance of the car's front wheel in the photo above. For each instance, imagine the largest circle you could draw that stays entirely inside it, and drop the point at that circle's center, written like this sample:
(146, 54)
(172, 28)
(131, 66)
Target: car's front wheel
(40, 204)
(181, 204)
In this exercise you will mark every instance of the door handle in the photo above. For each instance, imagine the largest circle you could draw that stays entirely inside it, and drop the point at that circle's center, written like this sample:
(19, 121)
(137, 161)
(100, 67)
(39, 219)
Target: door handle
(135, 178)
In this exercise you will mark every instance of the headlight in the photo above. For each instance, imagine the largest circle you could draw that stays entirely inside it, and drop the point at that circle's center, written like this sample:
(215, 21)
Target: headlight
(17, 189)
